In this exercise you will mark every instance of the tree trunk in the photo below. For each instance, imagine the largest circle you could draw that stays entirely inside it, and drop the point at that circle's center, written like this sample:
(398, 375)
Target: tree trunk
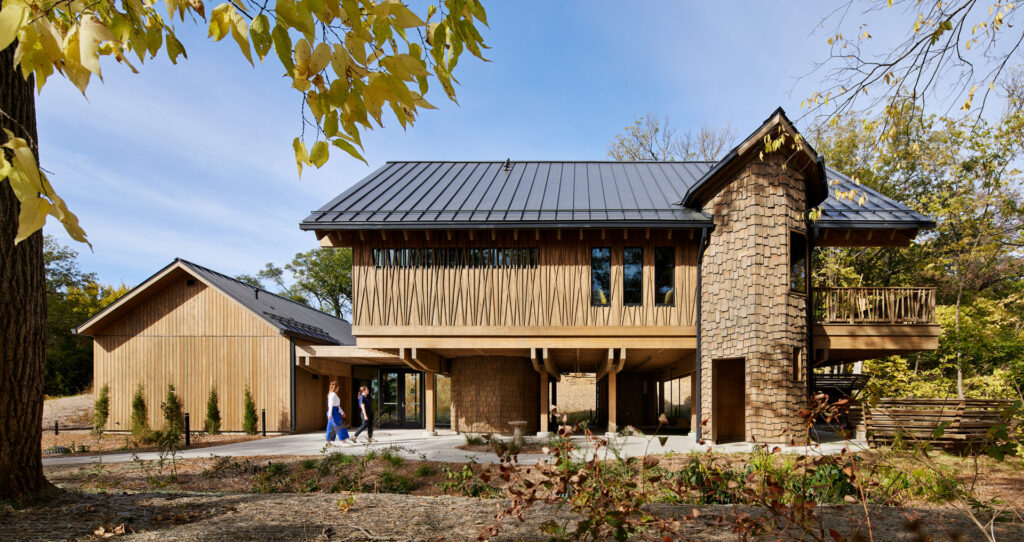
(959, 350)
(22, 311)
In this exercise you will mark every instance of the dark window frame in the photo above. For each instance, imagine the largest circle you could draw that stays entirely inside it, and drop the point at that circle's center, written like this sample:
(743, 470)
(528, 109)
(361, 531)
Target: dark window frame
(608, 278)
(672, 269)
(797, 287)
(640, 288)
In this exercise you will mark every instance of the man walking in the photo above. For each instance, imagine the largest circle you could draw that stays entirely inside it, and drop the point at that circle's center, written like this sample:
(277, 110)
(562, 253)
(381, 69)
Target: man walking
(367, 412)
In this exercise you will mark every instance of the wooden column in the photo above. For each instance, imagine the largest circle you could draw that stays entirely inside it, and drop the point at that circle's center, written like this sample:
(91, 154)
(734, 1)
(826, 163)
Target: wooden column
(429, 412)
(612, 403)
(693, 407)
(661, 397)
(544, 404)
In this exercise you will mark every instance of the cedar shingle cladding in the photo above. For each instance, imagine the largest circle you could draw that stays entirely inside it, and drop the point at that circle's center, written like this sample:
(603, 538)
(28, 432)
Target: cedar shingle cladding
(747, 308)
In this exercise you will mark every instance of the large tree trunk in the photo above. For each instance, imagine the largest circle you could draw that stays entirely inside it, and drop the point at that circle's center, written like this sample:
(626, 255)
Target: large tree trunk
(22, 311)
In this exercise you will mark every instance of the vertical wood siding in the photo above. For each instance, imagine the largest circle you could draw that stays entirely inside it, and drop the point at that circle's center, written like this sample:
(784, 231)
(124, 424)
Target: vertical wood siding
(193, 337)
(555, 293)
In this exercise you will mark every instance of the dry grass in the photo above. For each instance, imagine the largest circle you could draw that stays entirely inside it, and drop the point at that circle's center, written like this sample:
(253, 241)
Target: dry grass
(121, 442)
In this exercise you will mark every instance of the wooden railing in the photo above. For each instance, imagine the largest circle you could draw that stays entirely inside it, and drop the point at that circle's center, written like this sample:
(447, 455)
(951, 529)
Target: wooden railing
(874, 305)
(935, 421)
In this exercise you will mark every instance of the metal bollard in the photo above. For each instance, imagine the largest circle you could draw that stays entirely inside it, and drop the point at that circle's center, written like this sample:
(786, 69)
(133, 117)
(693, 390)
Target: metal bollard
(56, 427)
(263, 416)
(188, 435)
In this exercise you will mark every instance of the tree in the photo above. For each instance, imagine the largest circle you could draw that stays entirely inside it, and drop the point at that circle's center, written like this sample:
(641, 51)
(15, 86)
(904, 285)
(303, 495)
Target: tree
(949, 50)
(174, 420)
(351, 60)
(139, 417)
(653, 138)
(325, 275)
(212, 413)
(248, 414)
(101, 409)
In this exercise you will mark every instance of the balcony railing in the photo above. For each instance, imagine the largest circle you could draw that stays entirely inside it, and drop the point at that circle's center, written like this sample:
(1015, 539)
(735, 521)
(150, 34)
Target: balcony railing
(874, 305)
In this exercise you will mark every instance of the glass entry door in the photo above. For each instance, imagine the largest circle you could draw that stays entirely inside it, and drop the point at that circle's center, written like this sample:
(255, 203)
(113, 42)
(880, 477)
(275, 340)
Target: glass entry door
(401, 398)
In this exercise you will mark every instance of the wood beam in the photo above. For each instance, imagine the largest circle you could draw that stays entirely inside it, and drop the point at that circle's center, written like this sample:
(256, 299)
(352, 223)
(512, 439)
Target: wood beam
(430, 361)
(613, 399)
(545, 403)
(430, 415)
(549, 364)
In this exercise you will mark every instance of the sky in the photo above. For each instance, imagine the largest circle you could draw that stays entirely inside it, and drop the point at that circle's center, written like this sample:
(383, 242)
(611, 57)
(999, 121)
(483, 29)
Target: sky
(195, 160)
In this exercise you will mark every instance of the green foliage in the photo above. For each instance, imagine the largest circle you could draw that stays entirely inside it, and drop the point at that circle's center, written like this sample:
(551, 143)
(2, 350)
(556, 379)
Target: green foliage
(249, 414)
(392, 458)
(169, 437)
(465, 482)
(309, 464)
(473, 439)
(101, 409)
(352, 63)
(425, 470)
(72, 297)
(321, 278)
(212, 413)
(139, 419)
(389, 482)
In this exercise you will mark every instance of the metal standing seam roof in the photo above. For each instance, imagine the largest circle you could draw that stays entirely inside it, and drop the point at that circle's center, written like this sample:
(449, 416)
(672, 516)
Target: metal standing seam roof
(291, 317)
(527, 194)
(561, 194)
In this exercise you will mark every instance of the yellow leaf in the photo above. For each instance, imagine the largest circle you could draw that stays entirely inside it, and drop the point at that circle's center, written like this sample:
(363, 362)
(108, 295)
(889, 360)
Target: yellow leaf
(339, 60)
(347, 147)
(49, 39)
(320, 58)
(220, 21)
(13, 16)
(301, 156)
(240, 31)
(319, 153)
(92, 33)
(32, 217)
(404, 17)
(302, 54)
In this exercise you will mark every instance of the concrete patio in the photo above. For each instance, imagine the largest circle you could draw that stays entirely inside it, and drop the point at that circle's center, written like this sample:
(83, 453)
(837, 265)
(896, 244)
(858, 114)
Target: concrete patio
(412, 444)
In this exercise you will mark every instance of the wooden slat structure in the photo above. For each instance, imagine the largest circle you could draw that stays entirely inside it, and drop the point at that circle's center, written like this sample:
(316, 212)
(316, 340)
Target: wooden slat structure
(962, 421)
(874, 305)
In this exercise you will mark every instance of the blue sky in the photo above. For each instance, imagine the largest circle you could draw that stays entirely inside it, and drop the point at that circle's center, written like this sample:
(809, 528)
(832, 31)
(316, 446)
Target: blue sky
(195, 160)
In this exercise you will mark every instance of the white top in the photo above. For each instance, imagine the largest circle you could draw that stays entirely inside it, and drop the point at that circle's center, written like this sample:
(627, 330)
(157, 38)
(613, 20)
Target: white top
(333, 401)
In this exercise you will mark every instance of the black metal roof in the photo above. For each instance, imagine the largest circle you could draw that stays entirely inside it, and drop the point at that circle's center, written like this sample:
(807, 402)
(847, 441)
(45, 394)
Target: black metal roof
(425, 195)
(291, 317)
(524, 194)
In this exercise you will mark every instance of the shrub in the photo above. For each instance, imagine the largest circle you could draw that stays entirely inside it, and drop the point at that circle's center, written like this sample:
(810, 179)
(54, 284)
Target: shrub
(472, 439)
(174, 420)
(389, 482)
(101, 409)
(212, 413)
(139, 422)
(391, 456)
(249, 419)
(309, 464)
(425, 470)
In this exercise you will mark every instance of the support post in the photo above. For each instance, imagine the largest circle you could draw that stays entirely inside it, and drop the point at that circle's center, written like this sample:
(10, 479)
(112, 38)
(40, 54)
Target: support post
(612, 403)
(263, 418)
(188, 432)
(661, 396)
(429, 410)
(545, 406)
(693, 397)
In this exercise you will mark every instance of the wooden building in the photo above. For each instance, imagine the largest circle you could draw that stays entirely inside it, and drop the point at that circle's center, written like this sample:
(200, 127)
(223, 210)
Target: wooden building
(492, 279)
(197, 329)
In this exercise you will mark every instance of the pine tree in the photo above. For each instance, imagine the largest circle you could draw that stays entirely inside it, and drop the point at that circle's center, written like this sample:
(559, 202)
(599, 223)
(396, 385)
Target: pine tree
(139, 423)
(101, 409)
(213, 413)
(174, 420)
(249, 422)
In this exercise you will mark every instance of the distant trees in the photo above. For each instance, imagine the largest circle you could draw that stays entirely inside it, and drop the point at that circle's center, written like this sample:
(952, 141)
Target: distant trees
(72, 297)
(322, 279)
(652, 137)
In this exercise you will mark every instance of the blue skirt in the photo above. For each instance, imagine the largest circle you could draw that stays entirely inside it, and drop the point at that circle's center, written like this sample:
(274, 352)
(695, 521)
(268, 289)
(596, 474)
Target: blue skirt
(336, 425)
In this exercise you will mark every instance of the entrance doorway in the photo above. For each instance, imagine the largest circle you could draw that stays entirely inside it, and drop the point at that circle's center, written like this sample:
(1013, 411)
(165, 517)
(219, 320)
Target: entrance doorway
(728, 400)
(401, 398)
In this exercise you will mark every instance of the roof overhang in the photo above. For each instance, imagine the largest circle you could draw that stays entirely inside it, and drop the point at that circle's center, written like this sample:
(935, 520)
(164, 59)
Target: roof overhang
(805, 160)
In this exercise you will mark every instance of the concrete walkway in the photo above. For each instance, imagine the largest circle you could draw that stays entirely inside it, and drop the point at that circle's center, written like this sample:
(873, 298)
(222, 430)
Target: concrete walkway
(412, 444)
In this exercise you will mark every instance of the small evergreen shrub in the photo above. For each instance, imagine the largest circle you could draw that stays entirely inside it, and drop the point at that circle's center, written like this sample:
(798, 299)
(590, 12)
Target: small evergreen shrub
(139, 422)
(249, 418)
(212, 413)
(101, 409)
(174, 420)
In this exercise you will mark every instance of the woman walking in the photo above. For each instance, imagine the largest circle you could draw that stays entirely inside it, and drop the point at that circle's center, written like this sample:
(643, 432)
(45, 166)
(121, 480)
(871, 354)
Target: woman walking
(367, 412)
(335, 415)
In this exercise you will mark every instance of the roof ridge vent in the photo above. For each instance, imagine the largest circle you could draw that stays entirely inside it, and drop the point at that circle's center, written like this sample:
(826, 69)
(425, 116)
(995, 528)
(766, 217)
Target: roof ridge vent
(508, 164)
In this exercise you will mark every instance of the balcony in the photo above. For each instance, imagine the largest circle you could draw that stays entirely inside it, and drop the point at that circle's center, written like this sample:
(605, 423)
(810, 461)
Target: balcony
(861, 323)
(890, 306)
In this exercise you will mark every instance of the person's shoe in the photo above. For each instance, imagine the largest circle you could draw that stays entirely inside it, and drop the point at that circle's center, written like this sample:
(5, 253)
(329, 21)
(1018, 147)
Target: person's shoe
(369, 440)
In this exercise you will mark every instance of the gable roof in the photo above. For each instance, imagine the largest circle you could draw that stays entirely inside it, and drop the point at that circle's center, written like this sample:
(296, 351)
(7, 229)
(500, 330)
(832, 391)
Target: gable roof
(291, 318)
(427, 195)
(721, 173)
(516, 195)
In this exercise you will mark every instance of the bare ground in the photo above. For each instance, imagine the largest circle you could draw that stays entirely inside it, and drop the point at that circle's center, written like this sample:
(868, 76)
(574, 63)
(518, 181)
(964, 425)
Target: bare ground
(156, 516)
(71, 411)
(109, 442)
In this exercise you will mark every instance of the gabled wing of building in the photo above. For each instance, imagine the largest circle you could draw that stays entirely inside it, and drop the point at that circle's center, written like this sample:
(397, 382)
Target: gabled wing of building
(290, 317)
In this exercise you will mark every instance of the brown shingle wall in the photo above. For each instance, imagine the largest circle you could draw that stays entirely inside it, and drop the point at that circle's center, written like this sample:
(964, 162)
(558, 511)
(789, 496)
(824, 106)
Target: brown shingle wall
(747, 308)
(490, 391)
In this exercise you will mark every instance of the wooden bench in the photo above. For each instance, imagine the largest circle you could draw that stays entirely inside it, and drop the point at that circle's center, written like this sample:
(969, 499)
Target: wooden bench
(918, 420)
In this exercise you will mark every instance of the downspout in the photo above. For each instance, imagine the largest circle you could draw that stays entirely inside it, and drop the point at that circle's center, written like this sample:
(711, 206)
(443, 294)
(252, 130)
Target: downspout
(812, 237)
(704, 239)
(291, 378)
